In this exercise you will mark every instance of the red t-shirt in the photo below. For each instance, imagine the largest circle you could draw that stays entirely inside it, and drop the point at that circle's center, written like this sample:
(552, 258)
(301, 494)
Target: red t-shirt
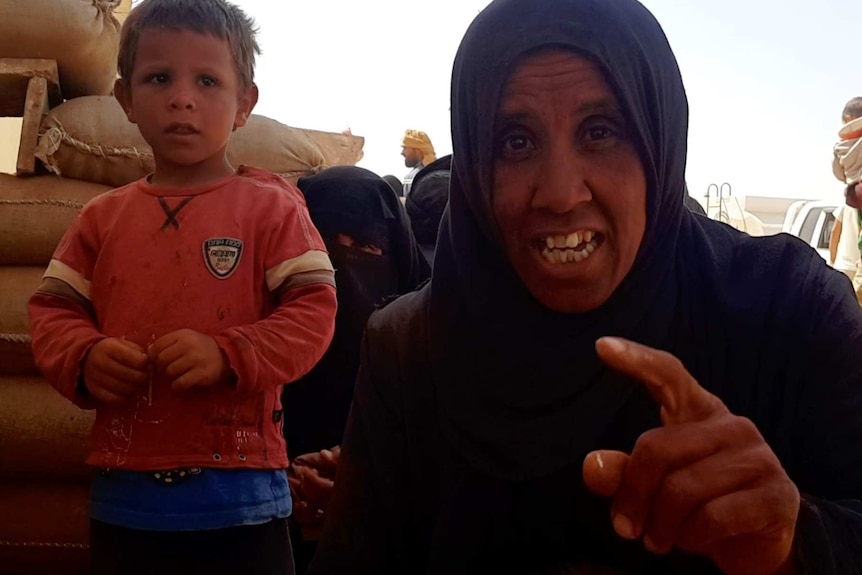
(239, 260)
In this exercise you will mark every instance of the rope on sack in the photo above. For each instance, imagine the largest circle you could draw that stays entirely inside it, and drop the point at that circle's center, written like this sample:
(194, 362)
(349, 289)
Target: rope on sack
(16, 338)
(104, 151)
(55, 203)
(297, 174)
(51, 140)
(106, 5)
(42, 545)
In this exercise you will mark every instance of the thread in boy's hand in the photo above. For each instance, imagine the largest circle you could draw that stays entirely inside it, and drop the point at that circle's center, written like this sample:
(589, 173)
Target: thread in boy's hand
(150, 374)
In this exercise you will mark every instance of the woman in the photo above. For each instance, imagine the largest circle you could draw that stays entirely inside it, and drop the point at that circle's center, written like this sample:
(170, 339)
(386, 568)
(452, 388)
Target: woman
(494, 427)
(371, 245)
(427, 202)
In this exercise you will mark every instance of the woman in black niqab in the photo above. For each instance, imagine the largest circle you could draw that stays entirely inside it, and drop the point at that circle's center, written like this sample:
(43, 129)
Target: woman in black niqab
(476, 405)
(359, 207)
(371, 245)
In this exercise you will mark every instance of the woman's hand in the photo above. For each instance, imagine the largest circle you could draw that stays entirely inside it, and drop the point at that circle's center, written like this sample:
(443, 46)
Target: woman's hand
(311, 479)
(705, 482)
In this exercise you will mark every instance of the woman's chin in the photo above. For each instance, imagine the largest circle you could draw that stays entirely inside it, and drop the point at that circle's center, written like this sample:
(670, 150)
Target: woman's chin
(565, 285)
(570, 297)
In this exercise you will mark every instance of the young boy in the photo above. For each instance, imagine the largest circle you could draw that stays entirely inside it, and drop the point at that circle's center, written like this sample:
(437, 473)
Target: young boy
(178, 306)
(847, 167)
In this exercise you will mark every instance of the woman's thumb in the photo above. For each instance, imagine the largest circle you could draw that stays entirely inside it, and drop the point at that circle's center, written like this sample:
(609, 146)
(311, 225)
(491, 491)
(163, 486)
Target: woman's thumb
(603, 471)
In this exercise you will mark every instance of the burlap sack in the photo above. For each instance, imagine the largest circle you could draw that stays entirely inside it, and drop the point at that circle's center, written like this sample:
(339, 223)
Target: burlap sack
(268, 144)
(16, 355)
(82, 35)
(338, 149)
(17, 284)
(35, 213)
(42, 434)
(91, 139)
(43, 527)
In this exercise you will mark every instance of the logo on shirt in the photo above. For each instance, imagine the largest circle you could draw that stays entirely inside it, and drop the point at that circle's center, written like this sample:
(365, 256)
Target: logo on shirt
(222, 255)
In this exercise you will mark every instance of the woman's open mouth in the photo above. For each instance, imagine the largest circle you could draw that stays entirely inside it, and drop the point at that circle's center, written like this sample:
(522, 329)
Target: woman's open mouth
(570, 249)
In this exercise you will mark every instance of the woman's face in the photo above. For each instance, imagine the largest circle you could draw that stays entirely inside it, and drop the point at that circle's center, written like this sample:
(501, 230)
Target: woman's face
(569, 189)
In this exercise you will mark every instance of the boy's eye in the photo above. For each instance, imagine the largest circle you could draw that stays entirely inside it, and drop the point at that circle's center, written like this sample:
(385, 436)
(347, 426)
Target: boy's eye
(158, 79)
(207, 81)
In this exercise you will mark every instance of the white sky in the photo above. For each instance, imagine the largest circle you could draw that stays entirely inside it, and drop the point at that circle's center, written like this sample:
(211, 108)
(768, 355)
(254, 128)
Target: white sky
(767, 79)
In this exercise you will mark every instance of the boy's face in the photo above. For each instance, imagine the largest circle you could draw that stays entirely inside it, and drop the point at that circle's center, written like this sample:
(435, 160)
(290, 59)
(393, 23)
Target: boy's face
(186, 98)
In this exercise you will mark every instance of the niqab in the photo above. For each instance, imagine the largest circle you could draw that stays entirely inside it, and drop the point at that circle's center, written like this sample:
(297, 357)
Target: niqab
(357, 203)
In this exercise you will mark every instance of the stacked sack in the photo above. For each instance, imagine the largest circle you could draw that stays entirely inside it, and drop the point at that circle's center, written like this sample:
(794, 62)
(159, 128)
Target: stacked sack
(44, 438)
(88, 147)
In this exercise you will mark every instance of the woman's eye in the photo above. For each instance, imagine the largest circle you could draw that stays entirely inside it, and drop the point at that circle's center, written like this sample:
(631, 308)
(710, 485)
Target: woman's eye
(600, 133)
(515, 145)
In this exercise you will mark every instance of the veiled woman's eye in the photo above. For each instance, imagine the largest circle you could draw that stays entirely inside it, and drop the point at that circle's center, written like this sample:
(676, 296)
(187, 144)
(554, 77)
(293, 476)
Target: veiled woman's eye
(368, 249)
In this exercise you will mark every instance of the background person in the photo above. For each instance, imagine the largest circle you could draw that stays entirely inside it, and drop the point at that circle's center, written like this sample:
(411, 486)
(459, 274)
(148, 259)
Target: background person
(418, 152)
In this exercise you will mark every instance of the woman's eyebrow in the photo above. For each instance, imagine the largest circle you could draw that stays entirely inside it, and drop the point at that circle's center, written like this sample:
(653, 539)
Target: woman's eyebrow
(518, 112)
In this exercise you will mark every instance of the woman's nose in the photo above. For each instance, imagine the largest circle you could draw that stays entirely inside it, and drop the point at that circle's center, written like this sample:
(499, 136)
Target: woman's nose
(561, 183)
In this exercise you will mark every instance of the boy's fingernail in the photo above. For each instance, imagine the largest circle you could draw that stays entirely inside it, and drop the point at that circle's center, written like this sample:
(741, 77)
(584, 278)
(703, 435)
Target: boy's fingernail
(624, 527)
(651, 546)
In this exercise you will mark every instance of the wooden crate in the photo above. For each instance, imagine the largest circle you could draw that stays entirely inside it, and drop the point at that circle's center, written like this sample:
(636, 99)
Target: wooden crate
(28, 88)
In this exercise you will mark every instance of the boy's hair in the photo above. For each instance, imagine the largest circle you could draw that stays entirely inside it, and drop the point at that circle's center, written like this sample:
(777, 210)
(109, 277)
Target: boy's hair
(217, 18)
(853, 109)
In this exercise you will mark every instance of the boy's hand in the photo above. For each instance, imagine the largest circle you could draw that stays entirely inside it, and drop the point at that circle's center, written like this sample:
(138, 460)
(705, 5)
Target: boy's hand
(189, 359)
(114, 370)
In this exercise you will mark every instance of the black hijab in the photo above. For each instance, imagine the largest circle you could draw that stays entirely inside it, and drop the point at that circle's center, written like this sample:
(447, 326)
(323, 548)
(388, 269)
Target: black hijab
(395, 184)
(520, 389)
(357, 203)
(427, 202)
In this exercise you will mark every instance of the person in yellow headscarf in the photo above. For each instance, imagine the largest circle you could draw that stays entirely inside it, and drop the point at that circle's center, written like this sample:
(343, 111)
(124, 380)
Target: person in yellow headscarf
(418, 152)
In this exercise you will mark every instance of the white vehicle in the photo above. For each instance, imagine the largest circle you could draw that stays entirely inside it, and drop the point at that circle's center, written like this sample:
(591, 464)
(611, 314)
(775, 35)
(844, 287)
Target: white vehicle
(812, 221)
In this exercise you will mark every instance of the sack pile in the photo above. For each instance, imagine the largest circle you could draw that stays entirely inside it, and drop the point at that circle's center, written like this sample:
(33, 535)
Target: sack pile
(44, 439)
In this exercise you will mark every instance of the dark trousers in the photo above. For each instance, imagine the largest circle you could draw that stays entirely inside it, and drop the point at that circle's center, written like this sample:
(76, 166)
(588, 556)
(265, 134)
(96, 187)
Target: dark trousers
(303, 551)
(247, 550)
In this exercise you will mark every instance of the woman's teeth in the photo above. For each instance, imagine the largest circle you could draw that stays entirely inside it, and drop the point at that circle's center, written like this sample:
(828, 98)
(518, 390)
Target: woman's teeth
(573, 248)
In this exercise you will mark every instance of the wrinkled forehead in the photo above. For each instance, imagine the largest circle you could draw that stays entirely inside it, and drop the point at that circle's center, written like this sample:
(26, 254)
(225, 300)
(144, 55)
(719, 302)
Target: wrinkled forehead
(555, 70)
